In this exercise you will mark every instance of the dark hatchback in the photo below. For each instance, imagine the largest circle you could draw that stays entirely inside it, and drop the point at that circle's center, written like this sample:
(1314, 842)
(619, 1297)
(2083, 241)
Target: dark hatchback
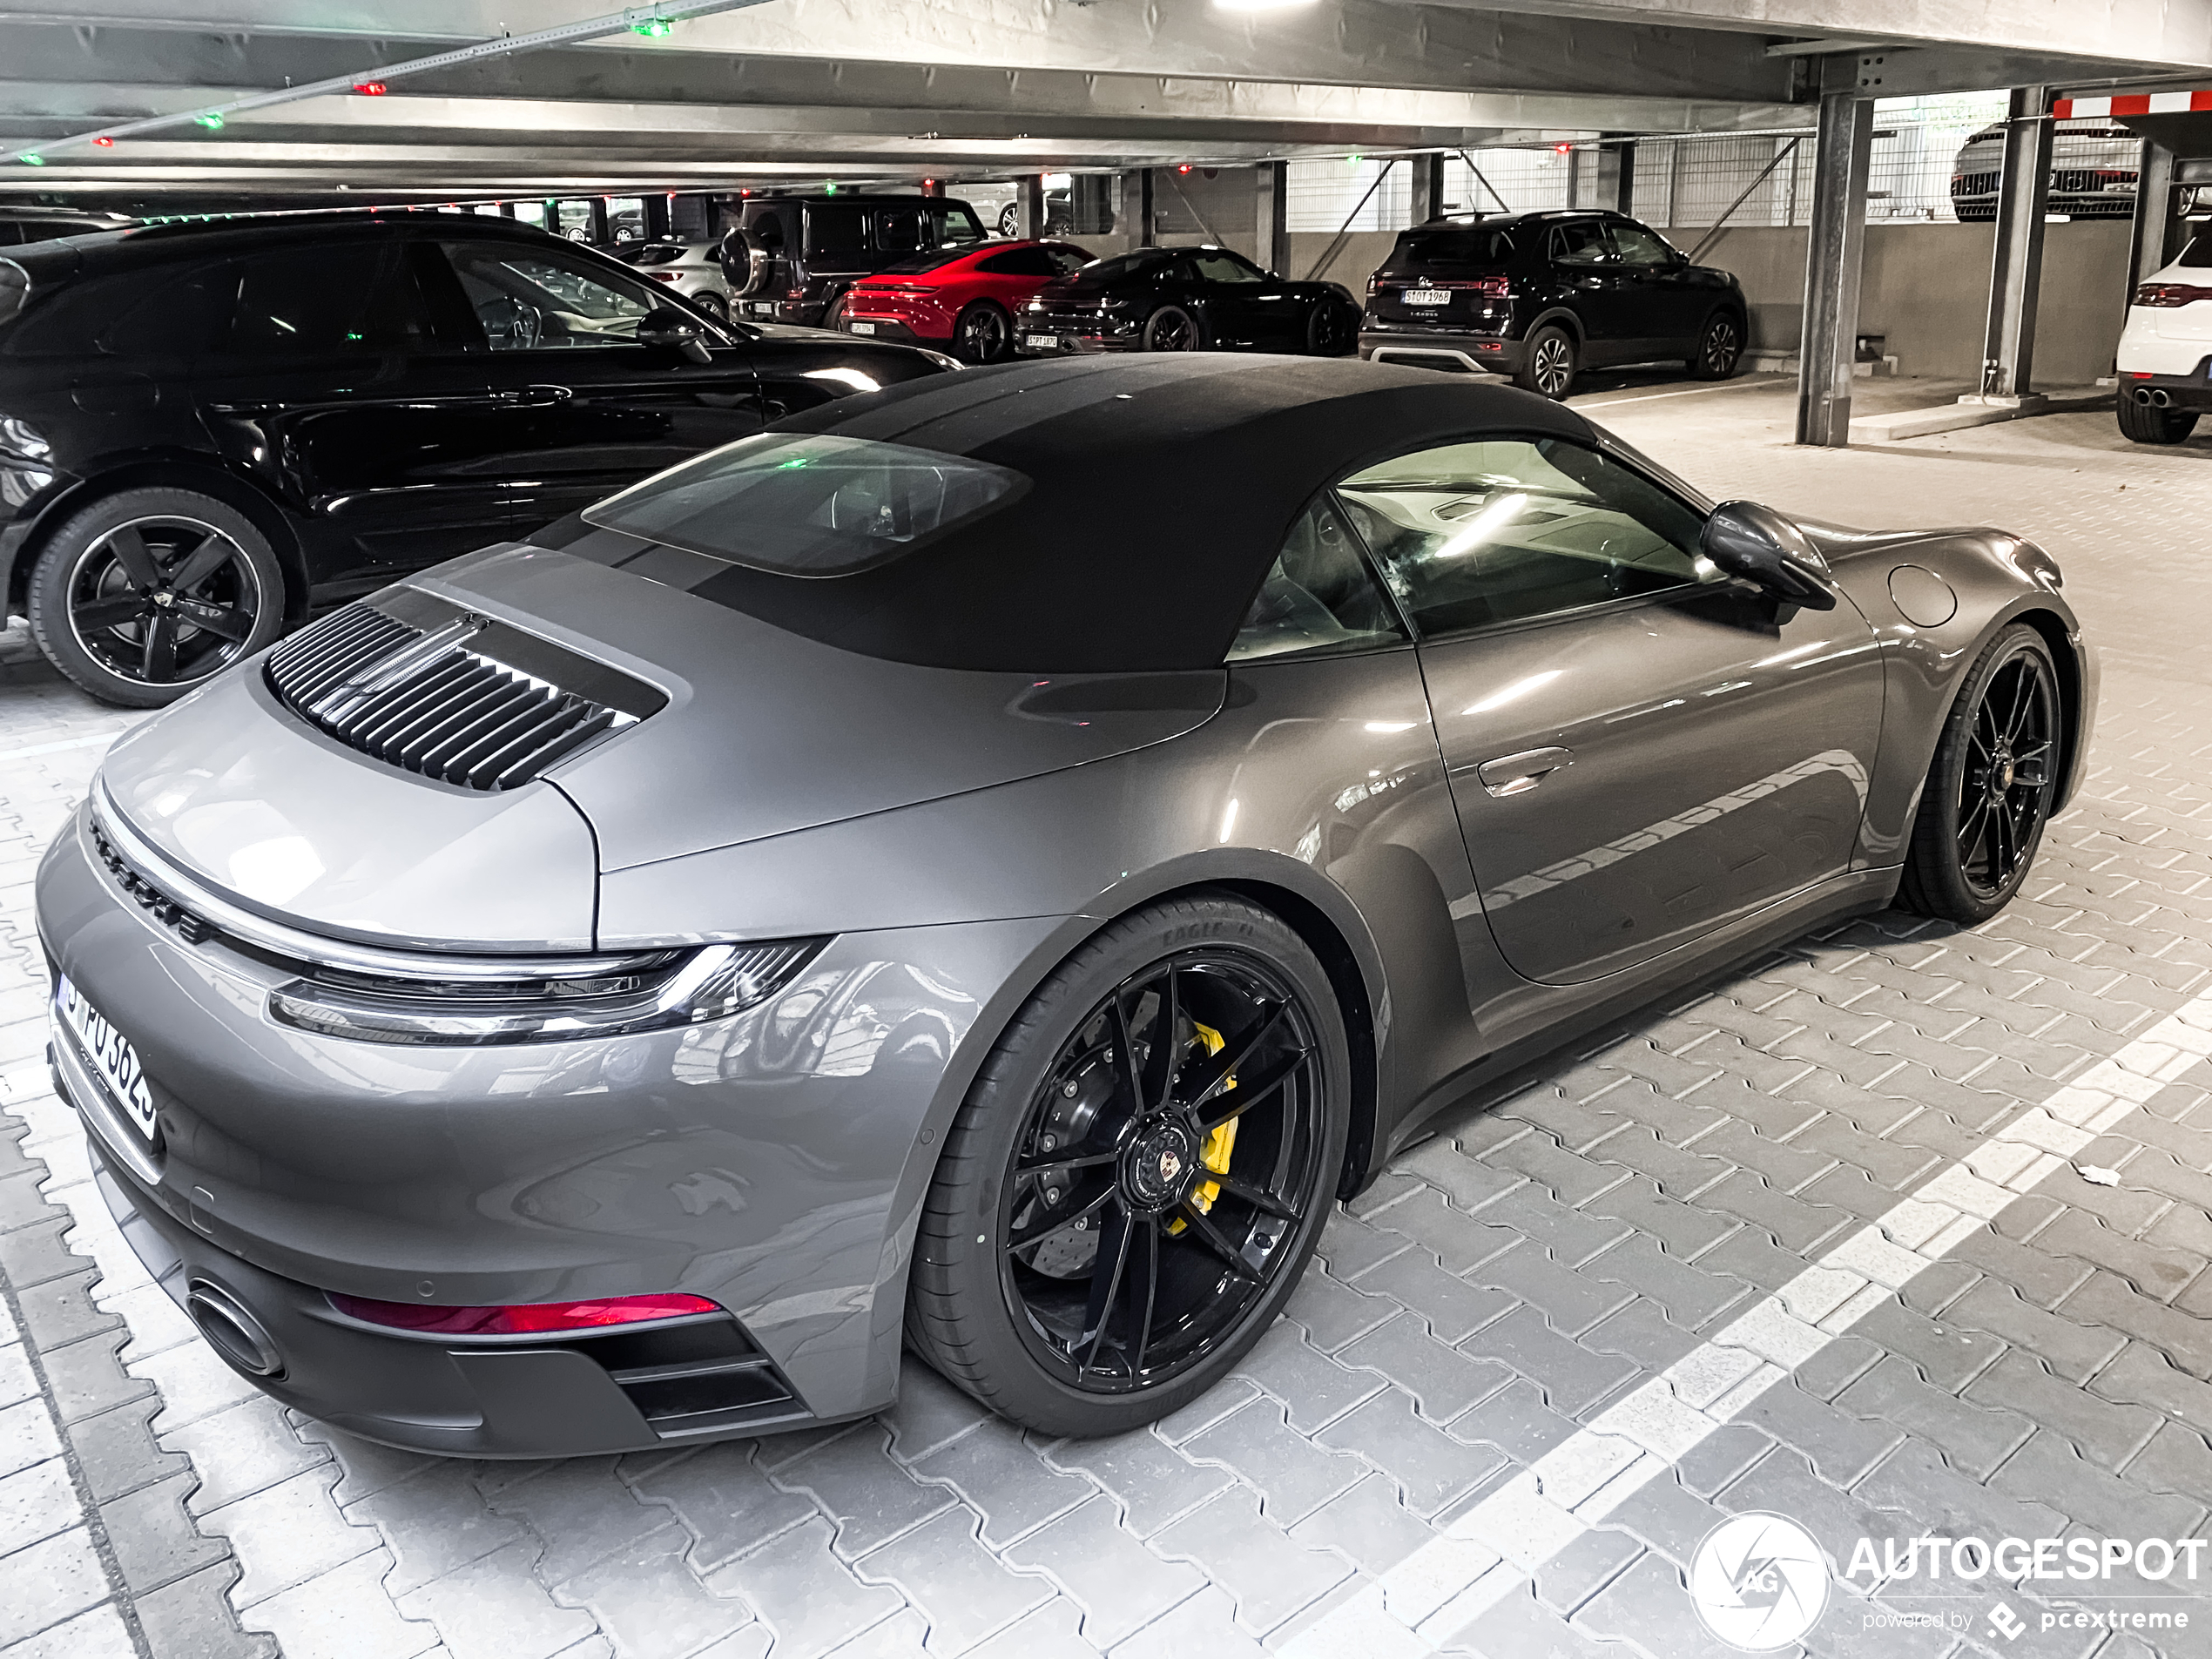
(1186, 298)
(209, 432)
(1542, 296)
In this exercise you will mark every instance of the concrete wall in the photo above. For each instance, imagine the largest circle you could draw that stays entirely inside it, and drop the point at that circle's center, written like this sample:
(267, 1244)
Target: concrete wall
(1926, 288)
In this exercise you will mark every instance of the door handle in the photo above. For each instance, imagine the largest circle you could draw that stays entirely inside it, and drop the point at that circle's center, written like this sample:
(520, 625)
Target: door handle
(1516, 774)
(531, 396)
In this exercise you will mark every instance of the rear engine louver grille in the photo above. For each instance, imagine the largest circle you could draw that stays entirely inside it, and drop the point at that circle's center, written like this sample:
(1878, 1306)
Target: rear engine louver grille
(438, 700)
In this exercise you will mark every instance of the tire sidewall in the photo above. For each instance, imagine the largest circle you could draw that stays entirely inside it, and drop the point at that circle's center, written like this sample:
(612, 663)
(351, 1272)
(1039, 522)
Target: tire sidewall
(47, 592)
(1939, 877)
(1003, 1372)
(985, 307)
(1527, 376)
(1699, 369)
(1151, 324)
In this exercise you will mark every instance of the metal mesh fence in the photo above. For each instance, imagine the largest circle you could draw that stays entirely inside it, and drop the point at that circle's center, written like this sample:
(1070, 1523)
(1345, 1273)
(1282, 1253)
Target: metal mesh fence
(1921, 144)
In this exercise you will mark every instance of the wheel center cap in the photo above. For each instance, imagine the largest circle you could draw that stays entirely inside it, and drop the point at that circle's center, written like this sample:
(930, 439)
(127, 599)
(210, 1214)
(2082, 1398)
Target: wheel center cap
(164, 598)
(1155, 1166)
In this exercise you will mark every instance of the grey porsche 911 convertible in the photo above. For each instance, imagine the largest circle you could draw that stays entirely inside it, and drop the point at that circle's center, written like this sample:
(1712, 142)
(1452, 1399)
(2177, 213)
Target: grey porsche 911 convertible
(979, 868)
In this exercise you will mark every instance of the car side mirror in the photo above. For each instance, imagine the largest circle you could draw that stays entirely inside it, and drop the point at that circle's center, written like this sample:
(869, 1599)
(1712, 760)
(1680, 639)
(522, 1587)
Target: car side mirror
(1756, 544)
(666, 328)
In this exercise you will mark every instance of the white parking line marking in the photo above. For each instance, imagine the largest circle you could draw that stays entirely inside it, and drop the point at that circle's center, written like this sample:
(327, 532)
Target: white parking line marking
(1688, 391)
(103, 738)
(1434, 1593)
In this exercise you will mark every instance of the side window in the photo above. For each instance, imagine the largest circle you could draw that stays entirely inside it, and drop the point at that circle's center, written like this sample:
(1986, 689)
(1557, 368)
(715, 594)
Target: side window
(1065, 259)
(833, 228)
(1580, 241)
(1502, 529)
(320, 301)
(898, 230)
(769, 227)
(1637, 246)
(527, 298)
(1222, 267)
(1318, 595)
(1019, 262)
(181, 316)
(954, 227)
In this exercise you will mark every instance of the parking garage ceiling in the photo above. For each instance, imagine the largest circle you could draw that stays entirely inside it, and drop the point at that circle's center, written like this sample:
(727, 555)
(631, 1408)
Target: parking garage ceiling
(800, 89)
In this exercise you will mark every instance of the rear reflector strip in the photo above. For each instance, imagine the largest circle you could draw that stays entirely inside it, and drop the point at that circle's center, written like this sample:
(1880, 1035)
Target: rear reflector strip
(522, 1319)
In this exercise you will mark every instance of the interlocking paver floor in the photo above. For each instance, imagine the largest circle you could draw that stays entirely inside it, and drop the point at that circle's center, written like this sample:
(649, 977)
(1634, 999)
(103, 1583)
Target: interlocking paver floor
(1898, 1232)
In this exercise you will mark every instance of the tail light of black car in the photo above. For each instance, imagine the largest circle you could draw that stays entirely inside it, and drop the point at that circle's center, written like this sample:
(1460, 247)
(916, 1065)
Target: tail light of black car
(2165, 296)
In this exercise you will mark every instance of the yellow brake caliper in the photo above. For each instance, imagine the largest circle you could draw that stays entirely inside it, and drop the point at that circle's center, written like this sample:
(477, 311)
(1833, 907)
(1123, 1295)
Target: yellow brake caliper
(1219, 1142)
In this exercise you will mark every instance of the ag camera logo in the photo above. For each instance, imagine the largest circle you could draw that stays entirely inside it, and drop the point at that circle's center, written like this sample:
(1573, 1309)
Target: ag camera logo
(1758, 1581)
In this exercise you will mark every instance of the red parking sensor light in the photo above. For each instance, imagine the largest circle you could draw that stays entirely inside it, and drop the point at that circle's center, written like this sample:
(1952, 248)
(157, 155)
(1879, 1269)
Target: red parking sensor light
(369, 89)
(524, 1319)
(104, 142)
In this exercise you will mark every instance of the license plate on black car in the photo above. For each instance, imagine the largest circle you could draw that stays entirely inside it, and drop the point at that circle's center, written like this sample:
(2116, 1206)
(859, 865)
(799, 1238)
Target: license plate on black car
(1042, 342)
(110, 1053)
(1427, 297)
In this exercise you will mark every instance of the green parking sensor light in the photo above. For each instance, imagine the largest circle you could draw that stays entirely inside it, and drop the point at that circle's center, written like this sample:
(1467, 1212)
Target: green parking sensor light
(213, 120)
(652, 28)
(33, 160)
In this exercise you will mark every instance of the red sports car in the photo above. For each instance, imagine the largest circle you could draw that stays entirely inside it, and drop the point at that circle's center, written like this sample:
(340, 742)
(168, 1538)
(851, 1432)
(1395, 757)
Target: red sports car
(960, 300)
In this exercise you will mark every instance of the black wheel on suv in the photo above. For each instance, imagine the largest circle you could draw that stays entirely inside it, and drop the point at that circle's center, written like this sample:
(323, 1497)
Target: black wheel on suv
(1172, 328)
(982, 334)
(1547, 366)
(2147, 423)
(140, 598)
(1720, 348)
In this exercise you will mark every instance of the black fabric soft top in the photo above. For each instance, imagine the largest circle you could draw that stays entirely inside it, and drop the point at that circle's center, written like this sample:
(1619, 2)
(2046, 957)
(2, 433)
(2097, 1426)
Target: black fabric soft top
(1160, 489)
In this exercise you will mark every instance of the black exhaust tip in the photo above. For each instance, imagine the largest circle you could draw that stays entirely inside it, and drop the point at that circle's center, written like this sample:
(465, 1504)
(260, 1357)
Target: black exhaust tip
(230, 1327)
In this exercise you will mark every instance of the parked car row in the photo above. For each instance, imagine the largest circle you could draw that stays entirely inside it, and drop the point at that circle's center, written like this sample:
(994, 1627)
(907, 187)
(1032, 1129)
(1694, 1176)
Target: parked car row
(209, 432)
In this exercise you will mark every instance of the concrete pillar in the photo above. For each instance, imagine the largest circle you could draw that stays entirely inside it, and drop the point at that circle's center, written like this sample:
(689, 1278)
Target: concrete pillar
(2156, 236)
(1428, 186)
(1147, 225)
(1611, 176)
(655, 206)
(1835, 247)
(1029, 204)
(597, 234)
(933, 187)
(1271, 209)
(2016, 268)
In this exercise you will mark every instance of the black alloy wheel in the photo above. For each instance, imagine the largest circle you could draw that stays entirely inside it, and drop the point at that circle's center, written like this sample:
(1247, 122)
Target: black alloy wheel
(982, 334)
(1330, 331)
(1129, 1195)
(1989, 791)
(1171, 328)
(142, 596)
(1720, 348)
(1548, 367)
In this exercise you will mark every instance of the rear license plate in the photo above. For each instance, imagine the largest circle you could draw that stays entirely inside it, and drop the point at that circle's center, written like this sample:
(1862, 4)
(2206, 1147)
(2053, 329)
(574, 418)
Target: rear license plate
(861, 327)
(1427, 297)
(1042, 342)
(111, 1053)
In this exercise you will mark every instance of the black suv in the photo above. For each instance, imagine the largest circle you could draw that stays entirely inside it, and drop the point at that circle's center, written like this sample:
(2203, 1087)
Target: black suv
(209, 431)
(1541, 296)
(792, 257)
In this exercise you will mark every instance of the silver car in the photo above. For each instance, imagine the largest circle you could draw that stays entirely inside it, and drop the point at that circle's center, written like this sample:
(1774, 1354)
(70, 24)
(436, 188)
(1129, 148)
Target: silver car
(978, 869)
(2093, 171)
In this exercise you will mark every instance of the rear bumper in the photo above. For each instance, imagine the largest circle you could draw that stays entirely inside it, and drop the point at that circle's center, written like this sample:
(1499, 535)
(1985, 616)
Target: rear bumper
(633, 1388)
(892, 328)
(1440, 349)
(1084, 335)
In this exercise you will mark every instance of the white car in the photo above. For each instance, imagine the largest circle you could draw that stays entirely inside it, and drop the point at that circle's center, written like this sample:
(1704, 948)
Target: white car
(2093, 171)
(693, 269)
(2165, 349)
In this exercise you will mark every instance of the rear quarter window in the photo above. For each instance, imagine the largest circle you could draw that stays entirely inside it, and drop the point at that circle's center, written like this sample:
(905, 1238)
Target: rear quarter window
(1471, 247)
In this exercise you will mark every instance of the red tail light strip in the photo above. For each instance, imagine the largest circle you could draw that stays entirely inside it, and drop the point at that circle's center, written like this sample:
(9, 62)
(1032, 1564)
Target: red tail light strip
(2166, 295)
(522, 1319)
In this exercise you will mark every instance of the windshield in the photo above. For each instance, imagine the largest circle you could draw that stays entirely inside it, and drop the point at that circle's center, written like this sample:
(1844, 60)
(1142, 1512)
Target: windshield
(1455, 245)
(806, 504)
